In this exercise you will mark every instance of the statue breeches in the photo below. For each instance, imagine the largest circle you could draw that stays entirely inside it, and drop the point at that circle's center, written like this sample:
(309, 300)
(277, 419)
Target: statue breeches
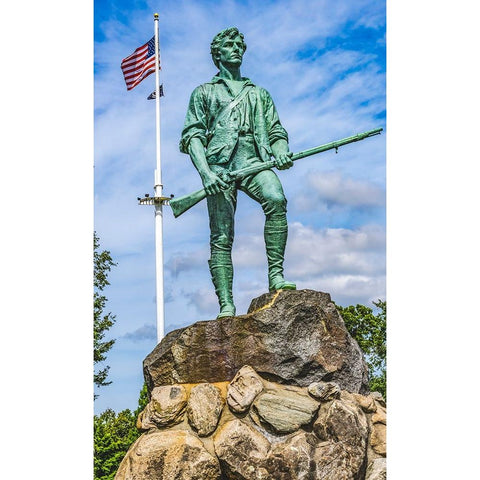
(265, 188)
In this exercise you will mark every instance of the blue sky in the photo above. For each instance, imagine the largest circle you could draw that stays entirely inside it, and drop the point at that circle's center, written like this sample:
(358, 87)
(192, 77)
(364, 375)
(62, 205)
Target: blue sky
(324, 65)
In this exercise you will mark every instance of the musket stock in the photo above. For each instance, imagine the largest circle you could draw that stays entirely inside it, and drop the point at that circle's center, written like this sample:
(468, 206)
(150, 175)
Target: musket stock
(182, 204)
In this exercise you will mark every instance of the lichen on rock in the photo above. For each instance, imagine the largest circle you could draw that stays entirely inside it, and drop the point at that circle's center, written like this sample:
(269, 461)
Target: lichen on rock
(166, 407)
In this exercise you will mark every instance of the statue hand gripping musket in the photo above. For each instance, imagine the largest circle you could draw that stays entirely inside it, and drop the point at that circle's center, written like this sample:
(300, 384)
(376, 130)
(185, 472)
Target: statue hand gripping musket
(234, 138)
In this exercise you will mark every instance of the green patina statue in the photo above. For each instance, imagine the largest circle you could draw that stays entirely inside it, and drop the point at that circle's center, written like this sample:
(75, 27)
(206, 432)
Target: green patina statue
(232, 124)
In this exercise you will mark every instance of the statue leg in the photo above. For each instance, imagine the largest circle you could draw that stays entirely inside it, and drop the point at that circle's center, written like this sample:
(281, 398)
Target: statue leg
(221, 209)
(265, 188)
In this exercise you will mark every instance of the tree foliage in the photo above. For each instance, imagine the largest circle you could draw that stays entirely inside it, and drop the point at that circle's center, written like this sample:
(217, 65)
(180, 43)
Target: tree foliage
(102, 264)
(369, 329)
(142, 400)
(113, 436)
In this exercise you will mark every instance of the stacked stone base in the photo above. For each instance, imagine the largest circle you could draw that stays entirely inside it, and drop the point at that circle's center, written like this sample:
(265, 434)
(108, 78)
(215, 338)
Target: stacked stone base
(254, 429)
(280, 393)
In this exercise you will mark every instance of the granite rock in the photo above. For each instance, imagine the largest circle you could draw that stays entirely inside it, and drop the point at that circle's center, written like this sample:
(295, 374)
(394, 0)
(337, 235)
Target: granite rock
(324, 391)
(293, 458)
(292, 337)
(242, 451)
(168, 455)
(166, 407)
(377, 470)
(204, 407)
(283, 410)
(243, 389)
(344, 426)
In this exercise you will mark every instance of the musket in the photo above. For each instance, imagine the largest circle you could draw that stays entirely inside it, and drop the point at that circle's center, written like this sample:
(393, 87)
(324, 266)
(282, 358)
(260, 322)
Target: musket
(182, 204)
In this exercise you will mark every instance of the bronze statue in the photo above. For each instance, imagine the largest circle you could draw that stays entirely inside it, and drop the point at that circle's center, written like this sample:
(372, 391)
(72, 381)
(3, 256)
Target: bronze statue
(232, 124)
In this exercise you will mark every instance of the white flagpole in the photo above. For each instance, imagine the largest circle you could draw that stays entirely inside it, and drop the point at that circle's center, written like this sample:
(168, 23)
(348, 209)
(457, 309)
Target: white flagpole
(158, 194)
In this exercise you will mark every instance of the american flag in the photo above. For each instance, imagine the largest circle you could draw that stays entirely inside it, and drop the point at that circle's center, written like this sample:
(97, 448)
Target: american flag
(139, 65)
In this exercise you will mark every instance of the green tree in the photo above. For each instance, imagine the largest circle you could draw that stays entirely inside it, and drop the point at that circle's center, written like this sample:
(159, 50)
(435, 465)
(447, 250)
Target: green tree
(142, 400)
(369, 329)
(113, 434)
(102, 264)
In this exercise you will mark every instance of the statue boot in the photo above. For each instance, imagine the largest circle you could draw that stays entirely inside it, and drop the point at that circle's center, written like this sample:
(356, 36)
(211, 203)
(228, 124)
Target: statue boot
(221, 270)
(275, 234)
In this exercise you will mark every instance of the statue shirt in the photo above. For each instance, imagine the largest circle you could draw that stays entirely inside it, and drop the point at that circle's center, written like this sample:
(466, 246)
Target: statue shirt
(255, 114)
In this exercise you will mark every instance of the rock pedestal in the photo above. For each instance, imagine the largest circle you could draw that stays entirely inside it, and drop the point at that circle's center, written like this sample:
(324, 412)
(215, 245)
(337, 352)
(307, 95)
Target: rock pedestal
(291, 337)
(277, 394)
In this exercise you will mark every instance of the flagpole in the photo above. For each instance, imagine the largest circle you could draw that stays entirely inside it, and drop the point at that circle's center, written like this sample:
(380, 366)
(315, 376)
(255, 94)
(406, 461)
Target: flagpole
(158, 188)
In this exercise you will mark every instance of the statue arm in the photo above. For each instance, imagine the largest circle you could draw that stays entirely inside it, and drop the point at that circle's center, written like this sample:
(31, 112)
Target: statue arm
(212, 183)
(195, 125)
(194, 141)
(275, 129)
(277, 135)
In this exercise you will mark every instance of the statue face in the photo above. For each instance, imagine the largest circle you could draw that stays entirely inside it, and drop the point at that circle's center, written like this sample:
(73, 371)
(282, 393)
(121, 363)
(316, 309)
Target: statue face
(231, 52)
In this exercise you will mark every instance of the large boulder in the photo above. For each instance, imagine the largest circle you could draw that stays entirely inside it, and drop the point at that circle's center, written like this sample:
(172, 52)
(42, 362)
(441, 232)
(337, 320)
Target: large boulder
(342, 421)
(168, 455)
(166, 407)
(242, 451)
(291, 337)
(243, 389)
(344, 426)
(293, 459)
(283, 410)
(205, 405)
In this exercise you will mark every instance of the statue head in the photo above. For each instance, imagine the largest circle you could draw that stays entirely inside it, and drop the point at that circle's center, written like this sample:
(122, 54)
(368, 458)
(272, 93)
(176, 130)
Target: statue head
(228, 33)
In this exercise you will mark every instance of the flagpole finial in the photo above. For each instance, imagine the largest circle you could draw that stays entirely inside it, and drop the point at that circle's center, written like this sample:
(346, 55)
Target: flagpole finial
(155, 16)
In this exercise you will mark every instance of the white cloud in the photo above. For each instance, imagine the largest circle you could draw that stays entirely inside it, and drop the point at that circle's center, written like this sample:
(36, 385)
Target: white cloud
(333, 189)
(351, 289)
(146, 332)
(249, 250)
(204, 300)
(182, 262)
(348, 264)
(312, 253)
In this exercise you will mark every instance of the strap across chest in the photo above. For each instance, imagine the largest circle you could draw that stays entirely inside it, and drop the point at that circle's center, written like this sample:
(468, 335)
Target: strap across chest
(229, 107)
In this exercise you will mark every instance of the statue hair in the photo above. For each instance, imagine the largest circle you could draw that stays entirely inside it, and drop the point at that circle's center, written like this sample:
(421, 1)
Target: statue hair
(220, 37)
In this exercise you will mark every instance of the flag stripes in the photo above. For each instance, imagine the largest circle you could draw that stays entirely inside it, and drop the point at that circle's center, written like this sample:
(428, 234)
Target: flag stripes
(139, 65)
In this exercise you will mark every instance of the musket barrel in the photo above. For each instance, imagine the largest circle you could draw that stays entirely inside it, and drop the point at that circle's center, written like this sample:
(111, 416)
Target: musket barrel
(336, 144)
(180, 205)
